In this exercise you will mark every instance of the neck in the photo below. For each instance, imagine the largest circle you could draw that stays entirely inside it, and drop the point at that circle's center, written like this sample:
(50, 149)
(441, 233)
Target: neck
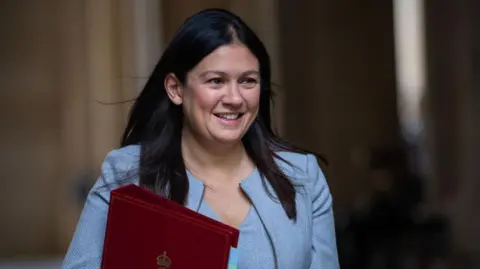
(203, 158)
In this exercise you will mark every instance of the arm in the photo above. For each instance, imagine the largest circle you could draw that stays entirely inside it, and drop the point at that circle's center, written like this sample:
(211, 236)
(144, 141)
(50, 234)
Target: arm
(86, 248)
(324, 249)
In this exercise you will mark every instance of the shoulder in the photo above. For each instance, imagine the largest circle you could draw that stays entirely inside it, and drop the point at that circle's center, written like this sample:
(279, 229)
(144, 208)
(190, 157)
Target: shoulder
(297, 164)
(302, 169)
(123, 158)
(119, 167)
(86, 247)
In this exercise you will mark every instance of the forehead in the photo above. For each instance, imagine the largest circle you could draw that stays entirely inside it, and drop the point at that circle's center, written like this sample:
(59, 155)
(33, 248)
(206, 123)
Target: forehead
(229, 59)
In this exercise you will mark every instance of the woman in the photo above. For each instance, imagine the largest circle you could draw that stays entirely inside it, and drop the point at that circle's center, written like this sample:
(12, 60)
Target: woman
(199, 134)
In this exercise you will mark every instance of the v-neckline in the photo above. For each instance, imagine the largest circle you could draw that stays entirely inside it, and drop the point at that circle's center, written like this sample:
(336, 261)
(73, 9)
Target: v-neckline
(211, 213)
(202, 203)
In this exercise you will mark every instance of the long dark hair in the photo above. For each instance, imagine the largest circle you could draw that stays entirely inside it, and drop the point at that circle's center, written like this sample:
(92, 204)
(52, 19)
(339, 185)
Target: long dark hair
(155, 122)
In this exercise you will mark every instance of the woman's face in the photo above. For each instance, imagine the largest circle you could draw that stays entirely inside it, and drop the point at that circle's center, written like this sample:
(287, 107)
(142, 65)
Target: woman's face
(221, 95)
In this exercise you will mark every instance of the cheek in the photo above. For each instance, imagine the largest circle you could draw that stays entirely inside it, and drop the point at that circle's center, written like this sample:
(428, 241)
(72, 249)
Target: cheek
(200, 100)
(196, 106)
(204, 100)
(252, 99)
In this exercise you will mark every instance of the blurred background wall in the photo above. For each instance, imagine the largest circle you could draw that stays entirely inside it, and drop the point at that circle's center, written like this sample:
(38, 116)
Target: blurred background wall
(338, 66)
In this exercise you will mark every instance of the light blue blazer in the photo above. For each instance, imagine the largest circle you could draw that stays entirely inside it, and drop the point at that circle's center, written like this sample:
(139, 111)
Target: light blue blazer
(307, 243)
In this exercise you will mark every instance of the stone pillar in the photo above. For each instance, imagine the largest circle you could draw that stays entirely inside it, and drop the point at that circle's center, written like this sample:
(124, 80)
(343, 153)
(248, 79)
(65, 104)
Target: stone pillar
(463, 206)
(74, 117)
(339, 75)
(141, 43)
(29, 113)
(104, 73)
(108, 50)
(452, 47)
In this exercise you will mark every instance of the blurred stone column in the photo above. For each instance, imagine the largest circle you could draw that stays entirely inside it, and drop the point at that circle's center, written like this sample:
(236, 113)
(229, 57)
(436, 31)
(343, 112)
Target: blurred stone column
(454, 102)
(339, 71)
(123, 45)
(104, 77)
(109, 49)
(444, 57)
(30, 127)
(141, 42)
(75, 138)
(464, 207)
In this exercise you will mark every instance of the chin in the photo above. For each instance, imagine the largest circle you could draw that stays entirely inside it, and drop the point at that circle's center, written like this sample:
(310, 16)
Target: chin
(228, 139)
(227, 136)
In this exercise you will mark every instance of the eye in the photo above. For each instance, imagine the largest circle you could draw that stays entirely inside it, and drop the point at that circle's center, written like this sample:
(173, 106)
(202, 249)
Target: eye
(215, 81)
(249, 82)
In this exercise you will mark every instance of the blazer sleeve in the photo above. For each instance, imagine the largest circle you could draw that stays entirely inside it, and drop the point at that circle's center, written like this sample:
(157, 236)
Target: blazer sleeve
(86, 248)
(325, 255)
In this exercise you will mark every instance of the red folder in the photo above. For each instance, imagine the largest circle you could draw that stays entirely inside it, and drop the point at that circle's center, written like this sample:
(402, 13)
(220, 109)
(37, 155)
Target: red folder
(146, 231)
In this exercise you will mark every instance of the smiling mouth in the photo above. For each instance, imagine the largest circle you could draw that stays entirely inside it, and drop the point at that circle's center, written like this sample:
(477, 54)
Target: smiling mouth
(229, 116)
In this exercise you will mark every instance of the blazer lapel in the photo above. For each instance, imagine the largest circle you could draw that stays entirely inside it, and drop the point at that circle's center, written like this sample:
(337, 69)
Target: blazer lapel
(195, 193)
(273, 217)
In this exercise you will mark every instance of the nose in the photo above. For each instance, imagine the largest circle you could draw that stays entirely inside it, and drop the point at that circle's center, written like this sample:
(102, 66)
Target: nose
(233, 96)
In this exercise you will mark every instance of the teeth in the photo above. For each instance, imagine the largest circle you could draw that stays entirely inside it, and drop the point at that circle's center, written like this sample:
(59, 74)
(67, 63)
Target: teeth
(229, 116)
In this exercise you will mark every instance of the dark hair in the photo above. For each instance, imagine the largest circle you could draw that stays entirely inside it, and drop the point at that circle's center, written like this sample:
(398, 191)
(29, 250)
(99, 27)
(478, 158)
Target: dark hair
(155, 122)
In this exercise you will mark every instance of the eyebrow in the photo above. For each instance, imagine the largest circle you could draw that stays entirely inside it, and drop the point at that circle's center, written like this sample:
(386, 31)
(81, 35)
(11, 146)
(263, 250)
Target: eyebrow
(246, 73)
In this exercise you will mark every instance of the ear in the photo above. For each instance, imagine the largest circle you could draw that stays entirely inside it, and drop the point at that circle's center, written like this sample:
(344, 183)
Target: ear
(174, 89)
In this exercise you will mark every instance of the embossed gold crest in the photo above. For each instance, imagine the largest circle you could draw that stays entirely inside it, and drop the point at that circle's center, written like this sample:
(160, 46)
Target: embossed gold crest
(163, 261)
